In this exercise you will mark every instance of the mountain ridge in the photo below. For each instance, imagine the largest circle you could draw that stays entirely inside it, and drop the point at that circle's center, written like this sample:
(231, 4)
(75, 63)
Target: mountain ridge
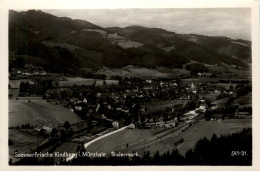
(71, 43)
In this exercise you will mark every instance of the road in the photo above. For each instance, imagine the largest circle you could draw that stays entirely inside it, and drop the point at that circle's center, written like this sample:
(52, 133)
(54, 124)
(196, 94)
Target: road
(92, 141)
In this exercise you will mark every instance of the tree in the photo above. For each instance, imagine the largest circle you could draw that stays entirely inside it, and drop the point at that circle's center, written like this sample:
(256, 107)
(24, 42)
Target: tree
(42, 132)
(94, 83)
(208, 114)
(66, 125)
(10, 161)
(54, 132)
(157, 158)
(191, 105)
(10, 142)
(208, 102)
(23, 87)
(165, 116)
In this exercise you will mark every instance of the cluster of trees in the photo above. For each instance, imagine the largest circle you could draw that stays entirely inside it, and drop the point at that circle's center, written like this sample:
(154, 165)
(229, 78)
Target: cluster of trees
(10, 142)
(39, 87)
(221, 150)
(243, 89)
(24, 86)
(24, 126)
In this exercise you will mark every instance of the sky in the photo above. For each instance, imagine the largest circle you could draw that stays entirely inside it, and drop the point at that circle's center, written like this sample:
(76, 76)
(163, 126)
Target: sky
(230, 22)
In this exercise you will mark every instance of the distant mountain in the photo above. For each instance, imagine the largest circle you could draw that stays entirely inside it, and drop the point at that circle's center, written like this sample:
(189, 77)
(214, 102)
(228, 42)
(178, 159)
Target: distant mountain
(200, 48)
(60, 44)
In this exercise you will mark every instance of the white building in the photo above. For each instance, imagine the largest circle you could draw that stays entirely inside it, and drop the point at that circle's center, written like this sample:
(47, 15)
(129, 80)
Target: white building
(131, 126)
(115, 124)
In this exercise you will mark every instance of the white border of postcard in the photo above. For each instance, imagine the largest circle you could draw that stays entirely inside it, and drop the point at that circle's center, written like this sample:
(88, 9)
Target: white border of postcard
(115, 4)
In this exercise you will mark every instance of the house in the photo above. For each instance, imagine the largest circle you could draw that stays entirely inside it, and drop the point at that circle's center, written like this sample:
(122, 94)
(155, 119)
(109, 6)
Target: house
(217, 92)
(241, 113)
(190, 115)
(85, 101)
(148, 81)
(131, 126)
(150, 124)
(204, 74)
(42, 72)
(175, 84)
(200, 110)
(171, 123)
(78, 106)
(160, 123)
(203, 105)
(46, 129)
(115, 124)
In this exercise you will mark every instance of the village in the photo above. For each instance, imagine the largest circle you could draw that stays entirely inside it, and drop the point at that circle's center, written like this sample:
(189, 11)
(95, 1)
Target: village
(159, 104)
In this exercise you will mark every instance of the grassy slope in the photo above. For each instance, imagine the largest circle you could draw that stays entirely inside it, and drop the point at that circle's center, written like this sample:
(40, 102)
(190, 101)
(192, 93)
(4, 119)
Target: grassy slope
(198, 131)
(38, 112)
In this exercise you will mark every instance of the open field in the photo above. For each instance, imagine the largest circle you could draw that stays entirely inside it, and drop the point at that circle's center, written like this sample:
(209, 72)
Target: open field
(22, 141)
(244, 101)
(20, 137)
(208, 128)
(119, 140)
(198, 131)
(16, 83)
(13, 92)
(38, 112)
(199, 80)
(84, 81)
(235, 72)
(209, 95)
(226, 85)
(131, 71)
(157, 105)
(114, 72)
(62, 45)
(194, 133)
(102, 32)
(147, 72)
(129, 44)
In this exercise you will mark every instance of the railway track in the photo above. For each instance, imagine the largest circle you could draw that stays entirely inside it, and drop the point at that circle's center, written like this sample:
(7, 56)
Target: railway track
(156, 138)
(162, 135)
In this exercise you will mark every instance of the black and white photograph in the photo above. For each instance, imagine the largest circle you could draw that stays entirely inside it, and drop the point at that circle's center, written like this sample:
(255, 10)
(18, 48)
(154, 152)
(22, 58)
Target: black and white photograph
(130, 87)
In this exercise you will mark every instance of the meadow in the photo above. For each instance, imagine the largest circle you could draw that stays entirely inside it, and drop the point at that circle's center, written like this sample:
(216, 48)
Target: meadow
(120, 140)
(78, 81)
(39, 112)
(191, 135)
(23, 141)
(197, 131)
